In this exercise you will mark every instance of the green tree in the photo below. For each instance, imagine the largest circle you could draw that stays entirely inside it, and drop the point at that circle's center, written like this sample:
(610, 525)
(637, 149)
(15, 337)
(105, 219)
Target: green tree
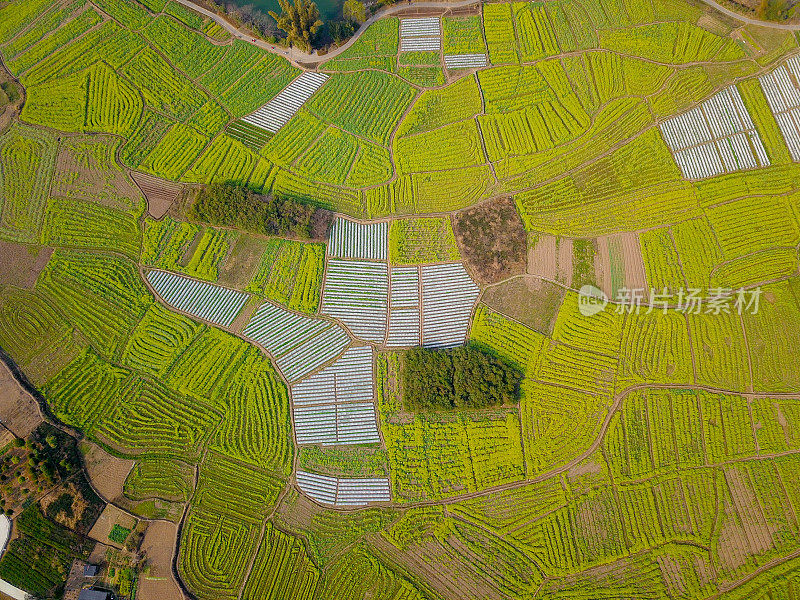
(354, 10)
(300, 21)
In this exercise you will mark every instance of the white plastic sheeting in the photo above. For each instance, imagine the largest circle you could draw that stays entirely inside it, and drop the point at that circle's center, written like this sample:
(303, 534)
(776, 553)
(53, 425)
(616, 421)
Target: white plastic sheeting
(350, 239)
(716, 137)
(212, 303)
(783, 96)
(335, 404)
(448, 296)
(420, 34)
(299, 343)
(277, 112)
(356, 292)
(340, 491)
(465, 61)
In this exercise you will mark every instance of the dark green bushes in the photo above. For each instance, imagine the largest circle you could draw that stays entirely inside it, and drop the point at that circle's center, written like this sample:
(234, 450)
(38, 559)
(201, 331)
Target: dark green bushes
(464, 377)
(227, 205)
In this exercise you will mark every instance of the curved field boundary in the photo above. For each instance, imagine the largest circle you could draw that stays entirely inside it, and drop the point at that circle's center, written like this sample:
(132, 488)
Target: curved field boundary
(298, 56)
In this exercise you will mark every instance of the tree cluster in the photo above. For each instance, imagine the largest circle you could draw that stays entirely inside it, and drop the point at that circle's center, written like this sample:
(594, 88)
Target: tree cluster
(227, 205)
(464, 377)
(300, 21)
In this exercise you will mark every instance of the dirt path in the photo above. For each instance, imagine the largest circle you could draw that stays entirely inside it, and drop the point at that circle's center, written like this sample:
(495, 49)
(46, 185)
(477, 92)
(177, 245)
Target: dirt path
(298, 56)
(749, 20)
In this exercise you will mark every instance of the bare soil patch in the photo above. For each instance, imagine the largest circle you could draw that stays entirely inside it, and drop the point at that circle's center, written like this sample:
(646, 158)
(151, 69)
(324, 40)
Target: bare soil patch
(732, 546)
(757, 530)
(448, 574)
(296, 511)
(565, 267)
(12, 97)
(672, 575)
(635, 273)
(602, 266)
(463, 11)
(492, 240)
(86, 168)
(529, 300)
(543, 257)
(111, 516)
(21, 264)
(19, 411)
(106, 472)
(157, 583)
(619, 264)
(243, 318)
(242, 261)
(160, 193)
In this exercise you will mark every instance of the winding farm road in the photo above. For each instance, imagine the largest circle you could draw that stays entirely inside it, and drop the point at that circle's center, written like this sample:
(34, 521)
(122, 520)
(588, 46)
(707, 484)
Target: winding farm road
(298, 56)
(749, 20)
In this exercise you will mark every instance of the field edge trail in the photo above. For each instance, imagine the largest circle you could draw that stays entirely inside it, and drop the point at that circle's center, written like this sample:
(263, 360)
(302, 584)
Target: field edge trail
(300, 58)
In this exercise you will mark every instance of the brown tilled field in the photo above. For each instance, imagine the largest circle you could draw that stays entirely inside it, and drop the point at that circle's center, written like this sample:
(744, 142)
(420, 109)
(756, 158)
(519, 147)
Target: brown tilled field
(106, 472)
(19, 411)
(492, 240)
(86, 168)
(160, 193)
(158, 545)
(22, 264)
(527, 299)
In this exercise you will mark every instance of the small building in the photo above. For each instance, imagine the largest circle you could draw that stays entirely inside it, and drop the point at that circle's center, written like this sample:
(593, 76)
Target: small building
(87, 594)
(91, 570)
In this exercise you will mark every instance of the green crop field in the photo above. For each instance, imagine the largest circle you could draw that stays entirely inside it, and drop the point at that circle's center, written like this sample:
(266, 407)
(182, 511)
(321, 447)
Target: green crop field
(253, 383)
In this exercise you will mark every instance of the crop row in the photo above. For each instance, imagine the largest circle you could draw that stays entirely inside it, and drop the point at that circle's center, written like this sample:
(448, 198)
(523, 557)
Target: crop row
(367, 104)
(299, 344)
(102, 297)
(202, 300)
(68, 31)
(35, 334)
(89, 225)
(167, 479)
(290, 273)
(339, 491)
(27, 158)
(282, 569)
(151, 418)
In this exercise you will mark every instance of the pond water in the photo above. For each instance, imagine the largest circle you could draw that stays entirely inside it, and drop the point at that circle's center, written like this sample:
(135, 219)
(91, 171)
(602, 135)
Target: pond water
(328, 9)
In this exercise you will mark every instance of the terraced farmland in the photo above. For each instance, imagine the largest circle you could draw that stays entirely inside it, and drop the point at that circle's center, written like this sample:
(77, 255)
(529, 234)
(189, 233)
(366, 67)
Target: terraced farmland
(482, 163)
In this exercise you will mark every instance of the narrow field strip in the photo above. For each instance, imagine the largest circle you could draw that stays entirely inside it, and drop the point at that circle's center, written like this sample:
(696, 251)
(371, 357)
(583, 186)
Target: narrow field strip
(338, 491)
(716, 137)
(335, 405)
(356, 292)
(420, 26)
(349, 379)
(448, 296)
(349, 239)
(332, 424)
(420, 34)
(299, 343)
(277, 112)
(404, 307)
(205, 301)
(783, 97)
(465, 61)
